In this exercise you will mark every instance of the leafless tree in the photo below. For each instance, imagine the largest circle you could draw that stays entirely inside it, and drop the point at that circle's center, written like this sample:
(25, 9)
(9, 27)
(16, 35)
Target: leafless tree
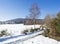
(47, 20)
(34, 12)
(50, 23)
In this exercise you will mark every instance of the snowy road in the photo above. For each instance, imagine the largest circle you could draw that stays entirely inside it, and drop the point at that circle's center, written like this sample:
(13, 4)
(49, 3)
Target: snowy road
(20, 38)
(31, 39)
(16, 39)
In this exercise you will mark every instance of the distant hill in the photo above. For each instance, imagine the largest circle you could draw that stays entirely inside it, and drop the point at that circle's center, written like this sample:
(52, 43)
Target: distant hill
(19, 21)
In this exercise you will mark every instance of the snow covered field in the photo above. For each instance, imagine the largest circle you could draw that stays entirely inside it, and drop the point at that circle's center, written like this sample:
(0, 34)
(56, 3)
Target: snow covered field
(16, 28)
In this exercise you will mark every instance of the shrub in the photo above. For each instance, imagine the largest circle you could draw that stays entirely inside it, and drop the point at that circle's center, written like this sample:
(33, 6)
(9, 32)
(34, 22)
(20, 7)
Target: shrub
(58, 28)
(36, 29)
(32, 30)
(25, 31)
(4, 32)
(46, 33)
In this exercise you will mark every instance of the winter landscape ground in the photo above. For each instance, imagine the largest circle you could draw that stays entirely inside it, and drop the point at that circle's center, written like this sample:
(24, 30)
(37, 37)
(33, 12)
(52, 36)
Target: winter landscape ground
(24, 39)
(29, 21)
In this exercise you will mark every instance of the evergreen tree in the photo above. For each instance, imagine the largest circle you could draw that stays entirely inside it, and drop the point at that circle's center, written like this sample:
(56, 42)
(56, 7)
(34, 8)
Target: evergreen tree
(57, 24)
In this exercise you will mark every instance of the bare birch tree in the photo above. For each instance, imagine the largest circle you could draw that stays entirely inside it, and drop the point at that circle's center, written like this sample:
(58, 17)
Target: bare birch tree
(34, 12)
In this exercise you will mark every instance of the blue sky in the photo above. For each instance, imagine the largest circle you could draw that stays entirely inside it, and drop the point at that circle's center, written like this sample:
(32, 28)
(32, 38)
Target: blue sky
(11, 9)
